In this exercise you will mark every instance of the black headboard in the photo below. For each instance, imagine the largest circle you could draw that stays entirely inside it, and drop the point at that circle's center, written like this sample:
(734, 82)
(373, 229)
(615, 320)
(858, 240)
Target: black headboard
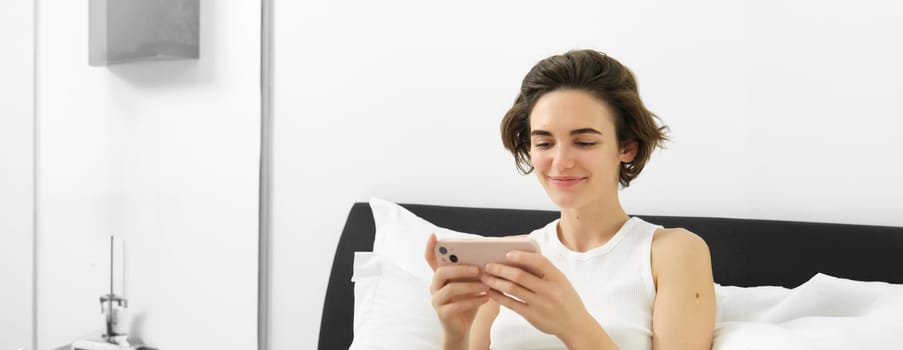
(744, 252)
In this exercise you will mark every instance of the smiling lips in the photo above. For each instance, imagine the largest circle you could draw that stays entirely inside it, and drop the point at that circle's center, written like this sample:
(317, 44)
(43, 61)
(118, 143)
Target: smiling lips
(565, 181)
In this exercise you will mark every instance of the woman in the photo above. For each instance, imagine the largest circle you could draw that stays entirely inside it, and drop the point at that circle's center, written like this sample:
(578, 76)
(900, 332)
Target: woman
(606, 280)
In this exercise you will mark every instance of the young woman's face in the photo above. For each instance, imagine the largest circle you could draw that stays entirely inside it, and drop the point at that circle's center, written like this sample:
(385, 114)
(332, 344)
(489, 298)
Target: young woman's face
(574, 148)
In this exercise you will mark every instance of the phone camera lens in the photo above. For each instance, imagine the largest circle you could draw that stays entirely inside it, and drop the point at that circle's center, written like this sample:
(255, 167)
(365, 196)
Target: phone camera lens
(453, 258)
(443, 251)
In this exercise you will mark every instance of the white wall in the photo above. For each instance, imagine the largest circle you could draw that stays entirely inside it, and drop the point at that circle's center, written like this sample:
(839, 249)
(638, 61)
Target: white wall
(163, 155)
(16, 173)
(777, 110)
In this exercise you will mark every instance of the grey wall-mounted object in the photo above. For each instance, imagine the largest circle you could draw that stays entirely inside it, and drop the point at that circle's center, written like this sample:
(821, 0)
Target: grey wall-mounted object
(123, 31)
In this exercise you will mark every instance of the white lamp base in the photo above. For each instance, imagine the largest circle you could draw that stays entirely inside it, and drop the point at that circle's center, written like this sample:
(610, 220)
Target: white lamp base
(98, 344)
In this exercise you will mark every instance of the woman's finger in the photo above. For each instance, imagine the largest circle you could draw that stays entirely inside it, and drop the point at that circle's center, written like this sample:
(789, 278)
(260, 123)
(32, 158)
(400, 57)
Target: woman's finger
(444, 274)
(516, 274)
(509, 302)
(462, 305)
(508, 287)
(454, 292)
(534, 263)
(430, 253)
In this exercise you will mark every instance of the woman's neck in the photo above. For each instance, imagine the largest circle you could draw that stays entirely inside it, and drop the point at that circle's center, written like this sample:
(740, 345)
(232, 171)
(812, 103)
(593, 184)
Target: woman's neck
(585, 228)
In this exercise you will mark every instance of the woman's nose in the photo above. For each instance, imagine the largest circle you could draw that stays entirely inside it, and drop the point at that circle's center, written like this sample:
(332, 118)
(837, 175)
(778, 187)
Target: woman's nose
(564, 158)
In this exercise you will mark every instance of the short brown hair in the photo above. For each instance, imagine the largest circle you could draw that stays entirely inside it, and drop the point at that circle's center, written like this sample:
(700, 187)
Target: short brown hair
(603, 77)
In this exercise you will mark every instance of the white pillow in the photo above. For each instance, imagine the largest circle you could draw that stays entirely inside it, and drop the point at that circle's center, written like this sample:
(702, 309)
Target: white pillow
(401, 237)
(392, 308)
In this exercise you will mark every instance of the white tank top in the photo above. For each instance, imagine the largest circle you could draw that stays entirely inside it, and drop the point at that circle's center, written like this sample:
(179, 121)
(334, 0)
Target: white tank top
(613, 280)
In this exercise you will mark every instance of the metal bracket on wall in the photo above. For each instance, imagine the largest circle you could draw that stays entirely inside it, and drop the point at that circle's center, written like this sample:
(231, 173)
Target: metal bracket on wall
(123, 31)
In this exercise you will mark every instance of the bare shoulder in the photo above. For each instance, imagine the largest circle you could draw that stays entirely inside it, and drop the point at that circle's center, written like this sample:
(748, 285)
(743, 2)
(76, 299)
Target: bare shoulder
(678, 250)
(684, 310)
(677, 241)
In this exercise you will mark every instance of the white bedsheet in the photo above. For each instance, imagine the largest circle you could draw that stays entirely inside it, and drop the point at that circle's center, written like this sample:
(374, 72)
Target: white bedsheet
(824, 313)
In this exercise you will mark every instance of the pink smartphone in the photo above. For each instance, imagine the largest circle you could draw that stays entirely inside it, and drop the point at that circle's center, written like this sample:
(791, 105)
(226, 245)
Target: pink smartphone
(481, 251)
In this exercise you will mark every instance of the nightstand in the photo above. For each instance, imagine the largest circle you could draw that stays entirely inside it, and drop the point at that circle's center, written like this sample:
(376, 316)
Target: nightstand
(98, 344)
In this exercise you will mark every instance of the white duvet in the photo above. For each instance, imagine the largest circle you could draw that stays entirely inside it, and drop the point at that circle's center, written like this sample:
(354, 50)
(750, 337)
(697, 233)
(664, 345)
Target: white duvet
(824, 313)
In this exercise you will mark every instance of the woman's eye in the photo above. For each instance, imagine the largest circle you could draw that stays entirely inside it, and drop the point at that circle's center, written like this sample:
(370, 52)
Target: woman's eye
(541, 145)
(586, 144)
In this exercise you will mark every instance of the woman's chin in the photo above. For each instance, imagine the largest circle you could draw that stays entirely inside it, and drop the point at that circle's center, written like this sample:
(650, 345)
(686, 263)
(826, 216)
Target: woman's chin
(566, 201)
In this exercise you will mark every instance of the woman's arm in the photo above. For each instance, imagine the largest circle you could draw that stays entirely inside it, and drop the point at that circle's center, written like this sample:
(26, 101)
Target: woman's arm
(479, 331)
(683, 315)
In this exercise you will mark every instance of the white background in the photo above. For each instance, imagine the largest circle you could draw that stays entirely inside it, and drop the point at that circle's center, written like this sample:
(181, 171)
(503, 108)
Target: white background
(16, 172)
(164, 155)
(778, 110)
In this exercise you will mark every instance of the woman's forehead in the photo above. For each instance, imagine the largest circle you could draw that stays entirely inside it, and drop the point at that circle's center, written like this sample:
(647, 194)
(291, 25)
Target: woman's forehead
(567, 110)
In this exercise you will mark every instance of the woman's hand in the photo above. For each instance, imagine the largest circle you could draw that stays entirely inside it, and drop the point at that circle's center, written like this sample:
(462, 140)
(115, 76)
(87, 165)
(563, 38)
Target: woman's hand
(547, 300)
(455, 300)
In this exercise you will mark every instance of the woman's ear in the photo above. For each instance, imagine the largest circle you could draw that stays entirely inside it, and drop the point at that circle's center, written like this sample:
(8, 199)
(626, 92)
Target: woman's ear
(627, 151)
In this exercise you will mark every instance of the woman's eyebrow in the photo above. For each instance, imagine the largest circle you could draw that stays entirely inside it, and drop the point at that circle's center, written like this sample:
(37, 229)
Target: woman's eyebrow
(573, 132)
(585, 131)
(540, 133)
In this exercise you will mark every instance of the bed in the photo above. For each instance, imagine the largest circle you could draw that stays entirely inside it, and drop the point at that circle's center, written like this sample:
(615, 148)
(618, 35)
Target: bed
(745, 254)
